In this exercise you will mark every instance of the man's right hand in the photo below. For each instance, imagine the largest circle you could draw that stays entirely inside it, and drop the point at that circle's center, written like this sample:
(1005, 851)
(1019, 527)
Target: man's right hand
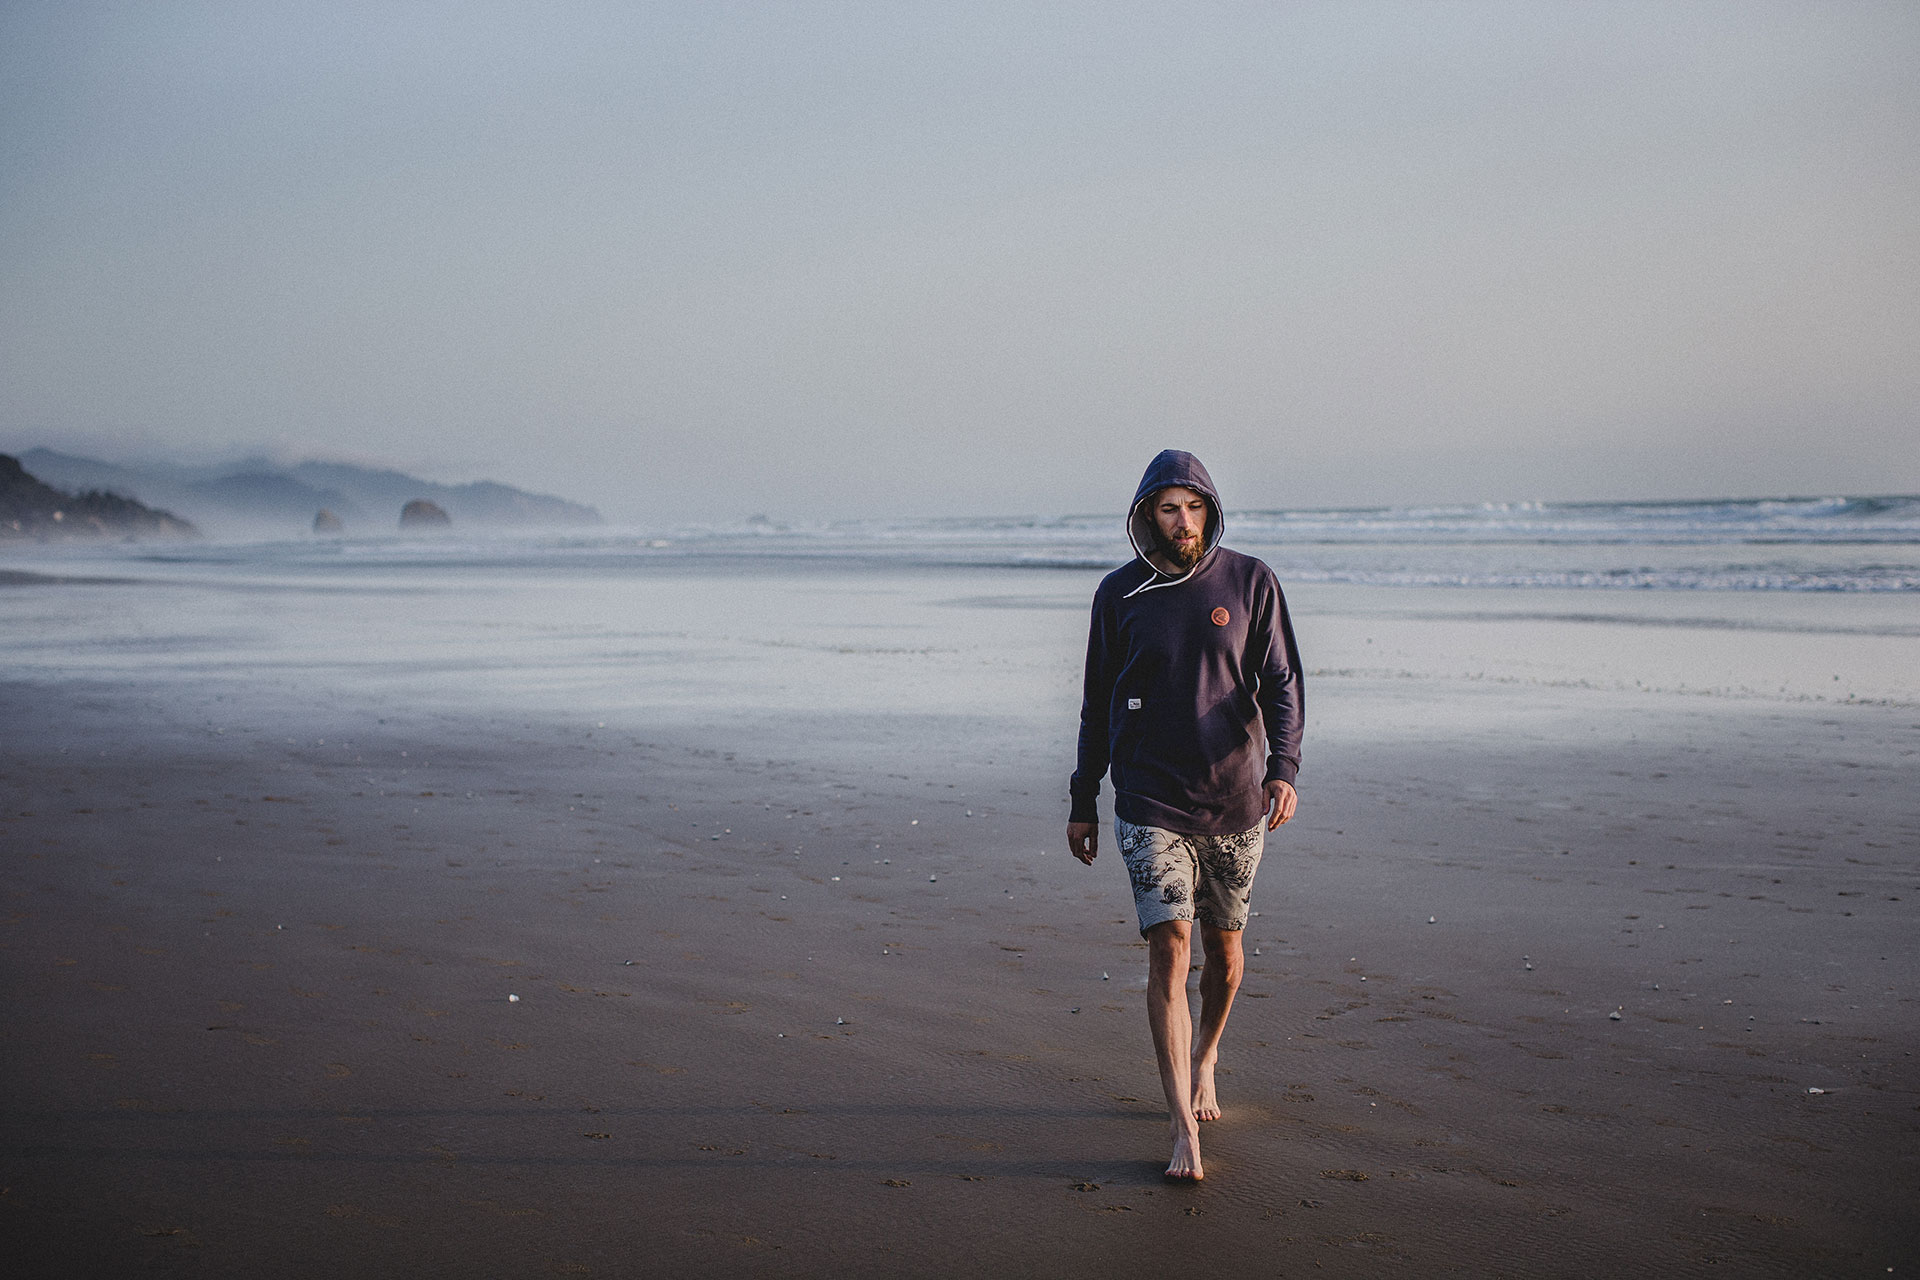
(1083, 838)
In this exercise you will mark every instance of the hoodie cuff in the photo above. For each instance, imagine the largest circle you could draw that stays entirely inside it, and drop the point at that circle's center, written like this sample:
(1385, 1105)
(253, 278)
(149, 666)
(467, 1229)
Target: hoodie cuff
(1281, 769)
(1084, 807)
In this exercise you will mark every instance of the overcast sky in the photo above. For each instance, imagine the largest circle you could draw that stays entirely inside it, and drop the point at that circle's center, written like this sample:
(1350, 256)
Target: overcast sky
(882, 258)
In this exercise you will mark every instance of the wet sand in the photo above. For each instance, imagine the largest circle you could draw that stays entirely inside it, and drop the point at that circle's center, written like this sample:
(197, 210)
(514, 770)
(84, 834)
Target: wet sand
(793, 1011)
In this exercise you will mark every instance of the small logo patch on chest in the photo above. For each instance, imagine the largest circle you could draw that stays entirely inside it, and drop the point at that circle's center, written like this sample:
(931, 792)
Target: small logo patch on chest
(1221, 617)
(1133, 704)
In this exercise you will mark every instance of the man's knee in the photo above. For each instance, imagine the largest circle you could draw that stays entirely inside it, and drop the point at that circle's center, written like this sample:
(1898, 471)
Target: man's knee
(1225, 958)
(1170, 943)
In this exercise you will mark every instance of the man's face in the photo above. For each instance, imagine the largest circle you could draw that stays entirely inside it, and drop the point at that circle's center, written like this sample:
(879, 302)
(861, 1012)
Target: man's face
(1180, 517)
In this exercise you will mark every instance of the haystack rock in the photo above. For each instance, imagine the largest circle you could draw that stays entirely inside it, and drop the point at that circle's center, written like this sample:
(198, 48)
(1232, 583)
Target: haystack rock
(421, 514)
(327, 522)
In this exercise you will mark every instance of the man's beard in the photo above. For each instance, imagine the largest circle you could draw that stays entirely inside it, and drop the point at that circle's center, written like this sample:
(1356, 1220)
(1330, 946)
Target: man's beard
(1181, 555)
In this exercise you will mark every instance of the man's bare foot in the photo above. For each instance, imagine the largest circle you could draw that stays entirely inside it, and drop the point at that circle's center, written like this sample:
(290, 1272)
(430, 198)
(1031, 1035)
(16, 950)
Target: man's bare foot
(1206, 1105)
(1185, 1165)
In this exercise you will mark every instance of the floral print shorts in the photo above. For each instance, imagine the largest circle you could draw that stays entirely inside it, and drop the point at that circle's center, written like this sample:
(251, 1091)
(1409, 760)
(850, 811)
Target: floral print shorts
(1179, 877)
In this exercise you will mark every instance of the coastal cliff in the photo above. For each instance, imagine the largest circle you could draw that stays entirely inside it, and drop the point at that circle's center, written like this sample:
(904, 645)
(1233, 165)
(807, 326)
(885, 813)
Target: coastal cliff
(30, 509)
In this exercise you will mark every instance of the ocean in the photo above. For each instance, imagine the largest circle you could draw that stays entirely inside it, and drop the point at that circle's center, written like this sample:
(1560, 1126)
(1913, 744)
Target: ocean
(1857, 544)
(1787, 600)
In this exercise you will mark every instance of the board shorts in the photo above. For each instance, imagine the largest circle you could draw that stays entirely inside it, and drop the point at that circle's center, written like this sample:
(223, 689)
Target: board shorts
(1180, 877)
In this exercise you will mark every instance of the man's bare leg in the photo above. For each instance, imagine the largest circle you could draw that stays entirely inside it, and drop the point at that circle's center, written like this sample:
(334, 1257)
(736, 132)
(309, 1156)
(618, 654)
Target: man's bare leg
(1219, 980)
(1169, 949)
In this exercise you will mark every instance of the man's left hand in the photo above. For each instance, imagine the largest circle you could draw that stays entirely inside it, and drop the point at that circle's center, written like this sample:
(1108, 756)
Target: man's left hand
(1083, 840)
(1281, 802)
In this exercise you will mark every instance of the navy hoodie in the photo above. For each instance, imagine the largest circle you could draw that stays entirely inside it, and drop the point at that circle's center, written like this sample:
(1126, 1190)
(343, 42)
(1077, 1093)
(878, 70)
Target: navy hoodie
(1193, 695)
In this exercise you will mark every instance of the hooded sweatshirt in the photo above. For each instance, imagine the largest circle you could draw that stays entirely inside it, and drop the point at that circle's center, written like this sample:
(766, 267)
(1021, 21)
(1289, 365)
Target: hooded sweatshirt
(1193, 695)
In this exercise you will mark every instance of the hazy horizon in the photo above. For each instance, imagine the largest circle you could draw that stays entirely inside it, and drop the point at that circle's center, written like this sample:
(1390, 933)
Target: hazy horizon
(618, 520)
(833, 260)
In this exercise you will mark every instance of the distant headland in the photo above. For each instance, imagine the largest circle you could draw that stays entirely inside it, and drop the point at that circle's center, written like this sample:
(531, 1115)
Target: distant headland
(260, 498)
(30, 509)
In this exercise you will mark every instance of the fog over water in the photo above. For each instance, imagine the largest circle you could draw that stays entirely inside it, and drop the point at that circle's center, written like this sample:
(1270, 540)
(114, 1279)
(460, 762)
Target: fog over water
(693, 262)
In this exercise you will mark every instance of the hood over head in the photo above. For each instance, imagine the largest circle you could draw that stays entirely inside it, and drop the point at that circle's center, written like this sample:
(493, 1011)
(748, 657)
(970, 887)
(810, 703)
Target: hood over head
(1169, 468)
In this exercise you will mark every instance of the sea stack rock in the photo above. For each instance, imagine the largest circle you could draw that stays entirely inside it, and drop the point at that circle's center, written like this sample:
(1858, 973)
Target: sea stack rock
(327, 522)
(421, 514)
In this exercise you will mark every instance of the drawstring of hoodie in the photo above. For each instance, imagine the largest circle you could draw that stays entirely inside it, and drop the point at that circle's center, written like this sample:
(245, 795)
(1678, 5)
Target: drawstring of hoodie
(1160, 579)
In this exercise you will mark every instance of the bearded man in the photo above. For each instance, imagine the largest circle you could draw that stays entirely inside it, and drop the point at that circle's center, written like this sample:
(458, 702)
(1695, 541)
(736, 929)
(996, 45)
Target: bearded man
(1193, 698)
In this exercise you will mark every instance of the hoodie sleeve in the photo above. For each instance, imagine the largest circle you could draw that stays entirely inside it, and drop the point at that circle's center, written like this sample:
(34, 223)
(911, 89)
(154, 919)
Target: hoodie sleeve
(1096, 698)
(1281, 694)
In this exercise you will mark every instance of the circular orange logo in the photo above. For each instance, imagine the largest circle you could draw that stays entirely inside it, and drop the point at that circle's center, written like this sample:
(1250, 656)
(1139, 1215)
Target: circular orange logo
(1221, 617)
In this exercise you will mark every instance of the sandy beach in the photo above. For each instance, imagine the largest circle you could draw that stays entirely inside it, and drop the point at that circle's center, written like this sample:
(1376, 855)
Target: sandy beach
(726, 927)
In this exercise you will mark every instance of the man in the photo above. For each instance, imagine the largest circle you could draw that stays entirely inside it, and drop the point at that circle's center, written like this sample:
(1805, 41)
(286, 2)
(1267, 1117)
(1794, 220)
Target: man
(1194, 699)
